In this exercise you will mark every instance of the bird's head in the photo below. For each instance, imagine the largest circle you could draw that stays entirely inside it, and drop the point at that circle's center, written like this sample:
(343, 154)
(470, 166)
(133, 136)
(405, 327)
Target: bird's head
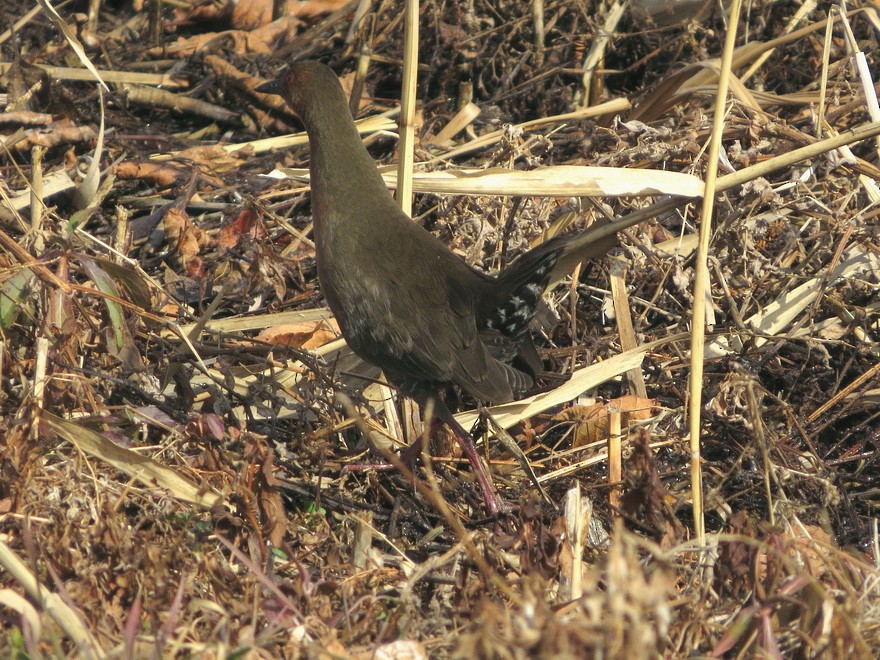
(301, 83)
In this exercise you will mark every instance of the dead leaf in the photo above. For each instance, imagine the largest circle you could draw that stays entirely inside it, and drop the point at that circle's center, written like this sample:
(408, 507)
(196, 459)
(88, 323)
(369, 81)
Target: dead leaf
(213, 159)
(301, 335)
(161, 174)
(261, 40)
(183, 235)
(646, 499)
(592, 421)
(245, 223)
(736, 558)
(271, 504)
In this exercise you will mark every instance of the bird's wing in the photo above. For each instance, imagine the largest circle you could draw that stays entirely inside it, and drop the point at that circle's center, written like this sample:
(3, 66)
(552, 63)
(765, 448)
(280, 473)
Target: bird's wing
(408, 306)
(475, 369)
(421, 327)
(446, 345)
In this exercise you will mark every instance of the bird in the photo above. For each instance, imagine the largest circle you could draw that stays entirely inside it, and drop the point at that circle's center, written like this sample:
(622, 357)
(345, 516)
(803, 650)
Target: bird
(403, 300)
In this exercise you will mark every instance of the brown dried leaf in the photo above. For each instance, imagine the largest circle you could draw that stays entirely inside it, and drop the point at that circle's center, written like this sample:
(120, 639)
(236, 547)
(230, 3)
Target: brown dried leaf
(301, 335)
(736, 558)
(592, 421)
(246, 223)
(808, 546)
(261, 40)
(271, 504)
(213, 158)
(162, 174)
(646, 499)
(55, 135)
(183, 235)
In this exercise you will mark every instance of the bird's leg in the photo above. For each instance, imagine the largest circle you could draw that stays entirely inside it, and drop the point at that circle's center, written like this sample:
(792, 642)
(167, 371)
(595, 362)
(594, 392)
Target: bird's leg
(437, 413)
(493, 503)
(411, 453)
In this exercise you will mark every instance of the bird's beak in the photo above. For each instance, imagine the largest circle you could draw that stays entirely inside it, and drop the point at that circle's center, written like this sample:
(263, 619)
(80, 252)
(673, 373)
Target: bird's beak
(272, 87)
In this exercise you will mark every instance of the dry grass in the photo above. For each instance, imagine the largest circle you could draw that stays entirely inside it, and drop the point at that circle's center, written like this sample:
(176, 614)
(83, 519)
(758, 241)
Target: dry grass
(174, 483)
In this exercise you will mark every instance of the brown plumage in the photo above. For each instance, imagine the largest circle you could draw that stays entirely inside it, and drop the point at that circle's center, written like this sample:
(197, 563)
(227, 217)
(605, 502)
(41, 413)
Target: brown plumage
(404, 301)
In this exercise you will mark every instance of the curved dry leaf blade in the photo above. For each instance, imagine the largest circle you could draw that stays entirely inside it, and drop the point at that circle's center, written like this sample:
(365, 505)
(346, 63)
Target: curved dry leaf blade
(77, 47)
(85, 193)
(551, 181)
(106, 285)
(508, 414)
(132, 281)
(69, 620)
(80, 218)
(12, 293)
(144, 469)
(22, 606)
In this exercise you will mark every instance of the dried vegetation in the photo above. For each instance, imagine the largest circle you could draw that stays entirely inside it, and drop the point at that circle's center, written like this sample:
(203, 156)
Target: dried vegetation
(178, 475)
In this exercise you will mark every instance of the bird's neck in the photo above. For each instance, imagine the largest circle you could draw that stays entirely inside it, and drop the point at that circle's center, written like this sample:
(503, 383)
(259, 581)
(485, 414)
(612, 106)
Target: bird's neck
(346, 186)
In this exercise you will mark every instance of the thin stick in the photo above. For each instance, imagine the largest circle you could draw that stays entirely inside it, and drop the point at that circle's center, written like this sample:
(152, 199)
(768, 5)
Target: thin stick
(623, 316)
(823, 79)
(408, 107)
(578, 512)
(362, 8)
(754, 408)
(538, 19)
(407, 128)
(598, 49)
(38, 209)
(94, 14)
(134, 77)
(701, 281)
(804, 10)
(24, 20)
(357, 88)
(615, 455)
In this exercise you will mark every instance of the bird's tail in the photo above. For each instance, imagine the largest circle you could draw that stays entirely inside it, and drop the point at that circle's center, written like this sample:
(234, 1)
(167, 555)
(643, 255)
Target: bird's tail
(512, 302)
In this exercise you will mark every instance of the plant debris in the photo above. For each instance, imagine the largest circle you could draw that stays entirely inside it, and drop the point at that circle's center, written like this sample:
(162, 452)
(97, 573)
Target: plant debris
(193, 462)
